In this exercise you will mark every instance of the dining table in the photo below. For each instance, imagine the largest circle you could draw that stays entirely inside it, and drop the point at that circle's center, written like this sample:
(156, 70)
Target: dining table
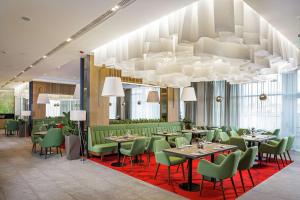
(119, 140)
(167, 134)
(192, 152)
(40, 133)
(196, 132)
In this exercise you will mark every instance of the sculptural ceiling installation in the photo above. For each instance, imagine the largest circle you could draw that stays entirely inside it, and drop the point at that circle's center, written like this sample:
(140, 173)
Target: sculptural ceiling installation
(205, 41)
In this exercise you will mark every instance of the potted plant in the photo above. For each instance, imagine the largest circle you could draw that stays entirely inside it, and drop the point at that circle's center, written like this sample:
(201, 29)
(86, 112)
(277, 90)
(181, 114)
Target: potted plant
(72, 141)
(187, 123)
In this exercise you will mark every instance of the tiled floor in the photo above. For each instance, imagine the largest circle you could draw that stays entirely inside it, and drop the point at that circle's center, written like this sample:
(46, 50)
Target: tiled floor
(27, 177)
(24, 176)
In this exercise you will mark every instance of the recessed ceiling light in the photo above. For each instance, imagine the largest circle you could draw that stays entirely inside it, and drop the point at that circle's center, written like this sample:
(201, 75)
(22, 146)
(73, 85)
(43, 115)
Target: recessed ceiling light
(31, 66)
(69, 40)
(115, 8)
(44, 56)
(26, 18)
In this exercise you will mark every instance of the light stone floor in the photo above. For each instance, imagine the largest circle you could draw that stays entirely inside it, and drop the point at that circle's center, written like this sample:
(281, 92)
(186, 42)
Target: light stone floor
(24, 176)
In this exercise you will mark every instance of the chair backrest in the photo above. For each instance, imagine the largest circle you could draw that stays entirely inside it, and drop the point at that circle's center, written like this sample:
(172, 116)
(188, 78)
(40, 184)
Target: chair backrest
(290, 142)
(149, 147)
(282, 145)
(12, 125)
(210, 136)
(53, 138)
(229, 165)
(188, 137)
(223, 136)
(276, 132)
(138, 146)
(181, 141)
(160, 145)
(217, 134)
(248, 158)
(224, 128)
(239, 142)
(234, 133)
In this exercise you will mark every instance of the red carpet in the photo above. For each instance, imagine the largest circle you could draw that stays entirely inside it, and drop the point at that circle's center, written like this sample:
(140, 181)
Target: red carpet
(145, 173)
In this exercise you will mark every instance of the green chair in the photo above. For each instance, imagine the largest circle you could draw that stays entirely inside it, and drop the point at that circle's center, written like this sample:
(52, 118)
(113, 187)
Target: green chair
(53, 138)
(275, 149)
(217, 132)
(233, 128)
(224, 167)
(12, 127)
(35, 138)
(289, 145)
(246, 163)
(234, 134)
(210, 136)
(224, 128)
(275, 133)
(181, 141)
(224, 137)
(163, 159)
(149, 147)
(137, 149)
(239, 142)
(188, 137)
(243, 131)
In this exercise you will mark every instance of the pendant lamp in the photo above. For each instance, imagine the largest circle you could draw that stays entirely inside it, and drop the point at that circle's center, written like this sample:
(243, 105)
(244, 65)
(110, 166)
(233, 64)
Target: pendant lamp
(113, 87)
(153, 97)
(43, 99)
(188, 94)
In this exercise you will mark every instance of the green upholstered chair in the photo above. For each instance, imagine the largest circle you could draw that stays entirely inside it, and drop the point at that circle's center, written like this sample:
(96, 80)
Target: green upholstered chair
(53, 138)
(137, 148)
(275, 133)
(210, 136)
(181, 141)
(234, 134)
(274, 149)
(246, 163)
(233, 128)
(149, 147)
(224, 128)
(224, 167)
(239, 142)
(243, 131)
(224, 137)
(35, 138)
(188, 137)
(289, 145)
(12, 127)
(217, 132)
(163, 159)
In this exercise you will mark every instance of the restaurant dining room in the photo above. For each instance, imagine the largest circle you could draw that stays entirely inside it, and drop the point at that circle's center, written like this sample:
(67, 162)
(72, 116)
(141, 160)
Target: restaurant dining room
(137, 99)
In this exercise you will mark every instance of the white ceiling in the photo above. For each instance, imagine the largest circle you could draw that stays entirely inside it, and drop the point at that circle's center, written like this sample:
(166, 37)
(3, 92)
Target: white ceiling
(282, 14)
(53, 21)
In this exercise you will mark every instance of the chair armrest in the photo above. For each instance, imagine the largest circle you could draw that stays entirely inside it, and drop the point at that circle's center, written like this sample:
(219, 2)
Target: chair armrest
(209, 169)
(162, 158)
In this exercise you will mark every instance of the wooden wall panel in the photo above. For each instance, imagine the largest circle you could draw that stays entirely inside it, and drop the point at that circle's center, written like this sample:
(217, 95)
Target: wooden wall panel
(39, 110)
(173, 104)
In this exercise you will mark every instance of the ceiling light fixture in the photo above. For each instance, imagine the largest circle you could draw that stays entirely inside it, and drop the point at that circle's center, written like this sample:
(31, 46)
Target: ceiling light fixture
(44, 56)
(69, 40)
(188, 94)
(31, 66)
(26, 18)
(113, 87)
(115, 8)
(153, 97)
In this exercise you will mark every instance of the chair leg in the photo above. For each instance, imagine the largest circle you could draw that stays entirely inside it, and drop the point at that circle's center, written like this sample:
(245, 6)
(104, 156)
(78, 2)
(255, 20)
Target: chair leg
(169, 175)
(286, 162)
(60, 151)
(130, 161)
(56, 150)
(46, 151)
(101, 157)
(201, 185)
(277, 161)
(250, 175)
(221, 182)
(148, 157)
(214, 184)
(157, 167)
(288, 153)
(32, 147)
(267, 157)
(177, 168)
(123, 161)
(182, 168)
(41, 151)
(232, 181)
(281, 160)
(242, 180)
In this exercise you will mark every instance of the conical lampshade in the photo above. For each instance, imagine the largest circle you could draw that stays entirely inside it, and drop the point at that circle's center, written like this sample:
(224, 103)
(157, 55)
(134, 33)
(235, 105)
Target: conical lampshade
(153, 97)
(43, 99)
(77, 115)
(77, 92)
(113, 87)
(188, 94)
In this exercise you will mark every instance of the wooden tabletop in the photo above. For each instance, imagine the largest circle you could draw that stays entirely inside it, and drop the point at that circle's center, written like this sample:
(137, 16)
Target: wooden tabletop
(192, 151)
(258, 138)
(40, 133)
(196, 131)
(120, 139)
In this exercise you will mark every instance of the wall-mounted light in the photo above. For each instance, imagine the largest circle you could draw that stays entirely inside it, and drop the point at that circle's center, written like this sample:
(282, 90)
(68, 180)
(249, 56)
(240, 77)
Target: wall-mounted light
(263, 97)
(219, 99)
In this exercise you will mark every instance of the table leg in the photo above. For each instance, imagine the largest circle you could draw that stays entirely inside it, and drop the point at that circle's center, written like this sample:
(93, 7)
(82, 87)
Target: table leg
(190, 186)
(118, 164)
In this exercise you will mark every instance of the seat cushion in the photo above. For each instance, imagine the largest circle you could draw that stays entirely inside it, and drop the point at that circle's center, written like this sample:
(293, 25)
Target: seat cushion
(126, 152)
(106, 147)
(176, 160)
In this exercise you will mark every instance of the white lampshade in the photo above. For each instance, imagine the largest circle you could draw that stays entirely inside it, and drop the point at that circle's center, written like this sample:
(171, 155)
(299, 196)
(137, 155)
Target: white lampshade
(188, 94)
(43, 99)
(153, 97)
(77, 92)
(113, 87)
(25, 113)
(77, 115)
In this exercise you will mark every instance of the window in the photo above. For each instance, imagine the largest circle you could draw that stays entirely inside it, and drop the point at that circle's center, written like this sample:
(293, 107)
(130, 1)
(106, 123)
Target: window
(57, 106)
